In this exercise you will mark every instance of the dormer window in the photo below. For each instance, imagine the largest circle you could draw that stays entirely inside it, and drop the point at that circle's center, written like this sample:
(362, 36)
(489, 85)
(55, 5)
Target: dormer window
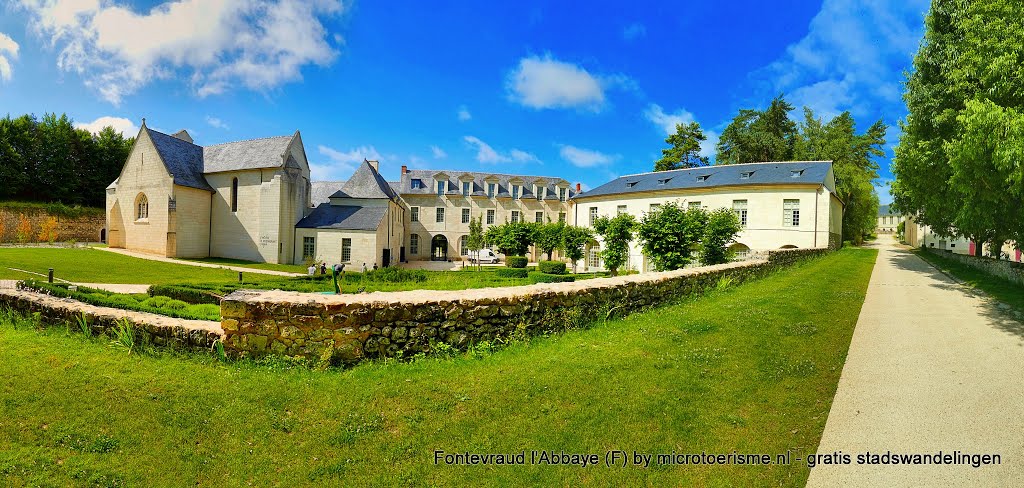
(417, 184)
(561, 194)
(796, 173)
(630, 184)
(746, 175)
(491, 188)
(663, 181)
(466, 185)
(515, 192)
(703, 177)
(441, 188)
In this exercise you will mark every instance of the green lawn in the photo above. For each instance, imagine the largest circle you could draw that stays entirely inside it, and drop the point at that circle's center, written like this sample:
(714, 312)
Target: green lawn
(96, 266)
(1005, 291)
(752, 368)
(288, 268)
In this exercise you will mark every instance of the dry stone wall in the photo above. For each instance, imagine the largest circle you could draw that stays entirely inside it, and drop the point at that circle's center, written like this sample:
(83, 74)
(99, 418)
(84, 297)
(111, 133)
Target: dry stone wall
(1007, 270)
(350, 328)
(85, 228)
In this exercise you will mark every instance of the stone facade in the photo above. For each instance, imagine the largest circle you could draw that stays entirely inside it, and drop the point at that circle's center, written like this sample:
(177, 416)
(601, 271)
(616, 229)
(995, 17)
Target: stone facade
(350, 328)
(86, 228)
(1006, 270)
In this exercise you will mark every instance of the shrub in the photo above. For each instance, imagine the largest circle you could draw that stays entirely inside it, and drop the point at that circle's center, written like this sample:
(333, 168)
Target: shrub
(516, 261)
(157, 301)
(394, 274)
(48, 230)
(511, 272)
(551, 267)
(538, 277)
(188, 294)
(24, 229)
(101, 298)
(175, 305)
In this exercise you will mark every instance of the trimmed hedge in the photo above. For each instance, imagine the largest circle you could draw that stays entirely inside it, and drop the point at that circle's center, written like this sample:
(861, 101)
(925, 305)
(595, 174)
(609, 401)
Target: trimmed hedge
(140, 302)
(516, 261)
(512, 272)
(538, 277)
(551, 267)
(185, 294)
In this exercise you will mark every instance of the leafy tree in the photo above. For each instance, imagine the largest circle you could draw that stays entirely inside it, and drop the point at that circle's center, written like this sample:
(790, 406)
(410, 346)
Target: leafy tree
(549, 237)
(685, 149)
(721, 229)
(574, 239)
(669, 233)
(512, 238)
(617, 233)
(475, 240)
(755, 135)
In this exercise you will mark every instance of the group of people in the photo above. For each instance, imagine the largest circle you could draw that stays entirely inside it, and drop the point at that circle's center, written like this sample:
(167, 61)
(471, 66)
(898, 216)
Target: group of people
(337, 267)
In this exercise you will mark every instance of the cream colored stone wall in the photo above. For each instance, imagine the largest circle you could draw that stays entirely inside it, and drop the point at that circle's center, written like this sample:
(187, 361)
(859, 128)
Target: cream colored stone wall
(236, 234)
(328, 246)
(765, 229)
(453, 228)
(143, 173)
(192, 218)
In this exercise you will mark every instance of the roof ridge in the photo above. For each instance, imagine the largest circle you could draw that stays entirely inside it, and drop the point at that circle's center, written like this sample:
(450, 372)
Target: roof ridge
(716, 165)
(172, 137)
(250, 140)
(487, 173)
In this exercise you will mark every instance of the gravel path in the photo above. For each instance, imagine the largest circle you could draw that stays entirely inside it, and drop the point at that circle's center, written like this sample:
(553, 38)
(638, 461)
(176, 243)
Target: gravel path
(932, 367)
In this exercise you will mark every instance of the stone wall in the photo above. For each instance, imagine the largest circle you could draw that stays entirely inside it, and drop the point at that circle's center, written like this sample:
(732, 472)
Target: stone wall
(81, 229)
(1007, 270)
(154, 329)
(349, 328)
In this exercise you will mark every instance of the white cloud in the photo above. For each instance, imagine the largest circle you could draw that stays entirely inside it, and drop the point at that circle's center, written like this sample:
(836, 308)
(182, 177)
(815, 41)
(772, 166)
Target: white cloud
(215, 122)
(585, 158)
(464, 114)
(546, 82)
(340, 164)
(667, 123)
(124, 126)
(438, 152)
(634, 31)
(852, 57)
(487, 154)
(8, 53)
(215, 44)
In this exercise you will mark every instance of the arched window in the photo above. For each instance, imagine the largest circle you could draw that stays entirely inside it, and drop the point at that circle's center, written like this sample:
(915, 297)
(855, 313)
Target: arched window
(234, 195)
(141, 207)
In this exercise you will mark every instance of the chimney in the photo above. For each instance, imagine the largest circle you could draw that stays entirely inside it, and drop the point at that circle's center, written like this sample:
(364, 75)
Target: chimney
(577, 187)
(405, 169)
(374, 164)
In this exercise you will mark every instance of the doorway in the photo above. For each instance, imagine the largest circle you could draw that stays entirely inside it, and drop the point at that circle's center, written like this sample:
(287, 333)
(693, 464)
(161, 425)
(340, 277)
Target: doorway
(439, 248)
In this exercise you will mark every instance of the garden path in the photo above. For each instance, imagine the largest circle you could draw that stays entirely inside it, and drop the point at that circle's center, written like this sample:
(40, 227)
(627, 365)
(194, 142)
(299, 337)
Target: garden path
(153, 257)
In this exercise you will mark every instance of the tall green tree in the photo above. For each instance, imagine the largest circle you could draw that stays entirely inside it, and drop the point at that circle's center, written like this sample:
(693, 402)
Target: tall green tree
(574, 240)
(670, 233)
(684, 150)
(512, 238)
(964, 96)
(758, 135)
(475, 241)
(548, 237)
(721, 228)
(617, 233)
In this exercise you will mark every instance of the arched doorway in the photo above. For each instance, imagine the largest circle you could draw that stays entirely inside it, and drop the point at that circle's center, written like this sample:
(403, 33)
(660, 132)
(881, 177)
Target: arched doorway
(592, 256)
(439, 248)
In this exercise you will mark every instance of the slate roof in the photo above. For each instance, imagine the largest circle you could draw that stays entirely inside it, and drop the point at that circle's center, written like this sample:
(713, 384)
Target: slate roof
(479, 180)
(249, 154)
(183, 159)
(321, 191)
(770, 173)
(366, 182)
(883, 210)
(343, 217)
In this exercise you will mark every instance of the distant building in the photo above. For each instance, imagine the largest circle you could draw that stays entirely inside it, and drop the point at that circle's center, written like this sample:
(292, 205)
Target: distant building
(887, 220)
(780, 204)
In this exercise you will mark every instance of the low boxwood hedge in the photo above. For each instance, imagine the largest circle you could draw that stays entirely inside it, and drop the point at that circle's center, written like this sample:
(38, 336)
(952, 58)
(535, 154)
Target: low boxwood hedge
(538, 277)
(516, 261)
(551, 267)
(512, 272)
(139, 302)
(185, 294)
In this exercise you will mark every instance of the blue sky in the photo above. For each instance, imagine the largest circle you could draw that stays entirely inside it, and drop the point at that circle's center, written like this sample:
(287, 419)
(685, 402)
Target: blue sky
(582, 92)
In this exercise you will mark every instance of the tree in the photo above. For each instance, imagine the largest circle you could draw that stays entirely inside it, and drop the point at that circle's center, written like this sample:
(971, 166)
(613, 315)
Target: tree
(512, 238)
(574, 239)
(723, 225)
(617, 233)
(755, 136)
(549, 237)
(475, 240)
(685, 149)
(669, 233)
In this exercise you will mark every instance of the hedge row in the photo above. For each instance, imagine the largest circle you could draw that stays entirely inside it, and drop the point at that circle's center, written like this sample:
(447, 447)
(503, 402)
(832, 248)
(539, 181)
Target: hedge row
(551, 267)
(538, 277)
(160, 305)
(516, 261)
(185, 293)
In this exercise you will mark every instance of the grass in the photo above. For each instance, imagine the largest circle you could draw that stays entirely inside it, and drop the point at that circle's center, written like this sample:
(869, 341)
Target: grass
(1001, 289)
(129, 301)
(96, 266)
(288, 268)
(751, 368)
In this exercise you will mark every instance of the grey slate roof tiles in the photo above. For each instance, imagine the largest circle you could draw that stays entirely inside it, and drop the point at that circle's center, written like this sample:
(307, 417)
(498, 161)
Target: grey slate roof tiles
(250, 154)
(366, 183)
(343, 217)
(321, 191)
(183, 159)
(479, 181)
(771, 173)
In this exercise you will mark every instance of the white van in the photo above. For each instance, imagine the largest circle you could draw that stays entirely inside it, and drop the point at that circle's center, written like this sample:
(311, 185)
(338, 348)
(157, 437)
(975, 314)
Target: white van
(485, 256)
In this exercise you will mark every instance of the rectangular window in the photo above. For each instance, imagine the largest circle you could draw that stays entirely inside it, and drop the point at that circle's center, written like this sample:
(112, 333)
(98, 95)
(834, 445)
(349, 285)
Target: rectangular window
(346, 250)
(593, 215)
(515, 192)
(308, 247)
(740, 207)
(490, 216)
(464, 246)
(417, 184)
(414, 244)
(594, 258)
(490, 189)
(465, 216)
(466, 185)
(415, 214)
(441, 187)
(440, 214)
(515, 216)
(561, 194)
(791, 213)
(693, 205)
(621, 209)
(540, 218)
(561, 217)
(655, 206)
